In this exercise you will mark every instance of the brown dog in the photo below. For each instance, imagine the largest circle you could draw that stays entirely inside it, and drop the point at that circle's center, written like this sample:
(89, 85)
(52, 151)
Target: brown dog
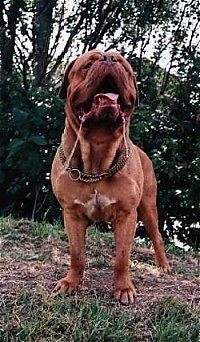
(97, 173)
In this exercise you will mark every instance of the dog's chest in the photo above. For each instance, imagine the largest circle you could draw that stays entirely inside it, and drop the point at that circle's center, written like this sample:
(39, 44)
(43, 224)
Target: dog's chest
(97, 207)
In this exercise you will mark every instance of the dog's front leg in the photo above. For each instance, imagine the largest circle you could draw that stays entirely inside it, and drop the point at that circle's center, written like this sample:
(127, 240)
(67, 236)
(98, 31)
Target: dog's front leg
(76, 230)
(124, 230)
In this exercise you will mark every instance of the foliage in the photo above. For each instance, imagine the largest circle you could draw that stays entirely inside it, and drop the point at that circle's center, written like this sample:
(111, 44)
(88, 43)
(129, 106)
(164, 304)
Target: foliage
(167, 129)
(29, 138)
(161, 41)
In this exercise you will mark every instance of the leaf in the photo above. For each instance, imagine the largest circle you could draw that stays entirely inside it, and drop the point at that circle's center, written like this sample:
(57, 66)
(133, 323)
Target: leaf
(15, 146)
(19, 117)
(38, 140)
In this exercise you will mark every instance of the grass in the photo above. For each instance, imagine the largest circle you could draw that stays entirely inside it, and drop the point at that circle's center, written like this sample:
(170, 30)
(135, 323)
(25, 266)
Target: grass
(172, 321)
(61, 320)
(35, 255)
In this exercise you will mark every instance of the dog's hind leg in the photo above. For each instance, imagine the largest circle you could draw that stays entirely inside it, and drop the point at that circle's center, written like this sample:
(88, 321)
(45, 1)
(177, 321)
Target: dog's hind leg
(147, 213)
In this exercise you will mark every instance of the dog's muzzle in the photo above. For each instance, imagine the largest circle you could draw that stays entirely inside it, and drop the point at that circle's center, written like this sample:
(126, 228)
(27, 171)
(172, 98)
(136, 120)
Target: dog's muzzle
(104, 108)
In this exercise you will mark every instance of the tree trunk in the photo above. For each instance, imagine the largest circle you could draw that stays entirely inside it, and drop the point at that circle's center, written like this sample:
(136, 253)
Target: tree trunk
(8, 34)
(42, 32)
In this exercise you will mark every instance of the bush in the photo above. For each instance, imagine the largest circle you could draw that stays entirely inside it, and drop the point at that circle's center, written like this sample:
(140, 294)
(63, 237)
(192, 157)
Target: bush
(30, 131)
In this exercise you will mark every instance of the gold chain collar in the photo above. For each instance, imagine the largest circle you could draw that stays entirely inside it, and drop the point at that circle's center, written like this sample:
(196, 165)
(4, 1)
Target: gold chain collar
(76, 174)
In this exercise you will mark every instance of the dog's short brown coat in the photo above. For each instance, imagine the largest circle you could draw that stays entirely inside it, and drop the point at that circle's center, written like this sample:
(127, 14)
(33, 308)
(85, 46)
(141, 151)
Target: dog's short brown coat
(124, 197)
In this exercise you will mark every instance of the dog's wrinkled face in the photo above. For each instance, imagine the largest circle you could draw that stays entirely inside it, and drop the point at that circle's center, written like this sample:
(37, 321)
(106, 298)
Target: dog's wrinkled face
(100, 87)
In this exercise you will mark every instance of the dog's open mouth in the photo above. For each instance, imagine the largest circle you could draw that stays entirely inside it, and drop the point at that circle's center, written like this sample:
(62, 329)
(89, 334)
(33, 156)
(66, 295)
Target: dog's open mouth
(106, 105)
(104, 108)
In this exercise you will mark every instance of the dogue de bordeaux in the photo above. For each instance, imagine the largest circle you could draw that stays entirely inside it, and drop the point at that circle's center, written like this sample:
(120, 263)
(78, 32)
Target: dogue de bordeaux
(98, 174)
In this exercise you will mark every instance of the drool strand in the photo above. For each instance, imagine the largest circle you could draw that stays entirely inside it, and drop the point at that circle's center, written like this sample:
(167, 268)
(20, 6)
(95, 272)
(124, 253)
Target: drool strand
(75, 144)
(124, 136)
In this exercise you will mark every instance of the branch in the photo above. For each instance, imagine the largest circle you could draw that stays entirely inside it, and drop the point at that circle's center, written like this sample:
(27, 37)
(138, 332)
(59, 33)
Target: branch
(67, 46)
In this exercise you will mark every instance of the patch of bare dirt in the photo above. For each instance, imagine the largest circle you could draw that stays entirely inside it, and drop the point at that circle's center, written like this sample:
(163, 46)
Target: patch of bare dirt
(32, 274)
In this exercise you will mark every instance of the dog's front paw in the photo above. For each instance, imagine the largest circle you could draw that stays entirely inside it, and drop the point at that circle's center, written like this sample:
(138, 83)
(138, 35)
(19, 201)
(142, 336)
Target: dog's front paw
(126, 293)
(67, 284)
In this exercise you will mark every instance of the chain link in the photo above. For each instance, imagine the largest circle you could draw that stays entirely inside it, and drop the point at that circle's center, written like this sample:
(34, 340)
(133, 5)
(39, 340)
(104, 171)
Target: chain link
(75, 174)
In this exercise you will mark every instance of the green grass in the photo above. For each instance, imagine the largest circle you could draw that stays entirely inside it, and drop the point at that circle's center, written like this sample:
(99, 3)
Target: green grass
(35, 255)
(172, 321)
(34, 318)
(18, 229)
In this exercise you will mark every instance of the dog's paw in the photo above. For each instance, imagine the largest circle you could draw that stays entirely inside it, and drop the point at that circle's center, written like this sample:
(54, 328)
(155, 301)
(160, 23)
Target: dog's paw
(163, 266)
(66, 285)
(125, 294)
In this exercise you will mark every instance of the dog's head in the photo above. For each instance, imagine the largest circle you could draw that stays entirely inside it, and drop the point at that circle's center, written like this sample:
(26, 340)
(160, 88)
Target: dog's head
(100, 87)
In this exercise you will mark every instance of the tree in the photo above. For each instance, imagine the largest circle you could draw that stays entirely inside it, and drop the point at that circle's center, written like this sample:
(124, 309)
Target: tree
(161, 41)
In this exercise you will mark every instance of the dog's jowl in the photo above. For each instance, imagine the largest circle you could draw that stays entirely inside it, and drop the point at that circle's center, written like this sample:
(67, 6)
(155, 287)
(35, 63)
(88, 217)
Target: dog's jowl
(97, 173)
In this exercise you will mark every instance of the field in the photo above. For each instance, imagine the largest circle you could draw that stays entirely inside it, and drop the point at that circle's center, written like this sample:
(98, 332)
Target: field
(35, 255)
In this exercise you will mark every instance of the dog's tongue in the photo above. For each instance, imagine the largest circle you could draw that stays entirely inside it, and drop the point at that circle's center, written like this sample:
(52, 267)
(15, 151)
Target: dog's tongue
(104, 99)
(104, 106)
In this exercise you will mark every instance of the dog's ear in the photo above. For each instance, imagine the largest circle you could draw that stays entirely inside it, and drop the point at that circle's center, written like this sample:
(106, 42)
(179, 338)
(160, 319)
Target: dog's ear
(65, 81)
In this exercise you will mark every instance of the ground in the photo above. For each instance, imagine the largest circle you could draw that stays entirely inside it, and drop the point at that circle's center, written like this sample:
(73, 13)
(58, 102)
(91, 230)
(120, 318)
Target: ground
(34, 256)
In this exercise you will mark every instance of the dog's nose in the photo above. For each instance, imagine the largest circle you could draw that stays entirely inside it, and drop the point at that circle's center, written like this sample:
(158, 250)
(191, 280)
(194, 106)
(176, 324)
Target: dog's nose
(109, 59)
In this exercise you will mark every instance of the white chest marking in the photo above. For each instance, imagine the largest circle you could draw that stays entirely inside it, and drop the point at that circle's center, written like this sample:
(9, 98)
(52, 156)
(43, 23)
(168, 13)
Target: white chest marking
(96, 201)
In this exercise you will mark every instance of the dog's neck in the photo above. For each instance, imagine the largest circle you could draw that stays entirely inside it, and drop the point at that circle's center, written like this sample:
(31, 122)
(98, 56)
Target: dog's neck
(97, 148)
